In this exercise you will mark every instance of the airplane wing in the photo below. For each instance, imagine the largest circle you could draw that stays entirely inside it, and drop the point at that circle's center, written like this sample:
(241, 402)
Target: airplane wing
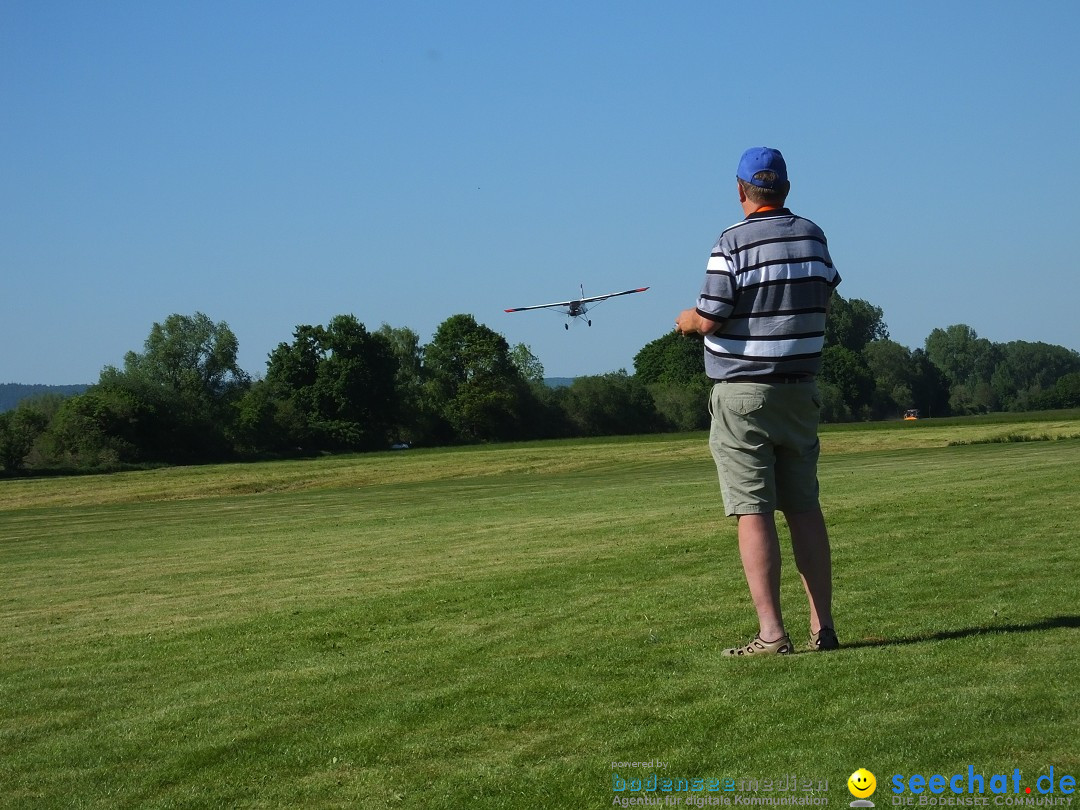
(540, 306)
(577, 301)
(612, 295)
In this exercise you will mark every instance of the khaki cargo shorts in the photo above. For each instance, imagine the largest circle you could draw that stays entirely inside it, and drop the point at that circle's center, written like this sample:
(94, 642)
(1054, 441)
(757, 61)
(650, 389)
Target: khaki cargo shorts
(765, 444)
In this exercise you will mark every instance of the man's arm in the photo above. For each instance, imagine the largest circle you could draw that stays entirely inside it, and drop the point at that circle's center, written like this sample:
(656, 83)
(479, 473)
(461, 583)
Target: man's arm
(692, 322)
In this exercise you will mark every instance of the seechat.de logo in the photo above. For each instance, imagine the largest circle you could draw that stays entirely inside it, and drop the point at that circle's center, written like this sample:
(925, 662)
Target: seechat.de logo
(1005, 789)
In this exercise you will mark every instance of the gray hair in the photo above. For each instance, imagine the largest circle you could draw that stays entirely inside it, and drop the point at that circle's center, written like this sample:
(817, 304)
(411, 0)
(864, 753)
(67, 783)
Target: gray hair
(765, 196)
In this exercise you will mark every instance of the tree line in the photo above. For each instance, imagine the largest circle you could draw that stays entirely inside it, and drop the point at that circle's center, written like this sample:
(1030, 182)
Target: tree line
(340, 387)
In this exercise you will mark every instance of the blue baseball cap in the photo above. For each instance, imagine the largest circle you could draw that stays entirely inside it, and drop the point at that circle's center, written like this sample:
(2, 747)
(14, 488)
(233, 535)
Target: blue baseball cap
(762, 159)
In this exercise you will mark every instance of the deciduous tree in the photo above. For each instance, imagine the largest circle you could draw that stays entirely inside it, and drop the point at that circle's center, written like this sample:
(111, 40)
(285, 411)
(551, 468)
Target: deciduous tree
(672, 359)
(854, 323)
(333, 387)
(19, 430)
(473, 381)
(611, 404)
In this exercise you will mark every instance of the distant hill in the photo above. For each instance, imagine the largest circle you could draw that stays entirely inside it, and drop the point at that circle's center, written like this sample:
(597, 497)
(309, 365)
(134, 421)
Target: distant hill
(11, 394)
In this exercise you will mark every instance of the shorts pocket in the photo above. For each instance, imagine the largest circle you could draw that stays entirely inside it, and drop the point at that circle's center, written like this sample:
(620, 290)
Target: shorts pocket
(744, 404)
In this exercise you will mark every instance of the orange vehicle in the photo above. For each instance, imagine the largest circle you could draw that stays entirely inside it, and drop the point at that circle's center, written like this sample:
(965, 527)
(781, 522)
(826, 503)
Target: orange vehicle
(911, 415)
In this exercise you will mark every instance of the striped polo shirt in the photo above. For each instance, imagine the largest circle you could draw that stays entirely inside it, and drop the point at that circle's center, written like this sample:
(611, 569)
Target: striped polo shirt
(768, 283)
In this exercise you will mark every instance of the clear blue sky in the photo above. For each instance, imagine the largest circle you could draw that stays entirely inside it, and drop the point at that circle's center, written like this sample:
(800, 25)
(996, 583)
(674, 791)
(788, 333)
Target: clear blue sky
(274, 164)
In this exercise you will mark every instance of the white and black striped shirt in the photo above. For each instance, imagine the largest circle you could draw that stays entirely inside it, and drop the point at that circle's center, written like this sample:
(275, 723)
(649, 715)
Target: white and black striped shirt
(768, 284)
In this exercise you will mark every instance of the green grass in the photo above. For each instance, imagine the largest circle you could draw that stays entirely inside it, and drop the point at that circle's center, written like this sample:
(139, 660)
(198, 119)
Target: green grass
(495, 626)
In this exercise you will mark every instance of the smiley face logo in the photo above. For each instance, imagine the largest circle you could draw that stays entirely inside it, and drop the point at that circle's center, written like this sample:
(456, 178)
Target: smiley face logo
(861, 783)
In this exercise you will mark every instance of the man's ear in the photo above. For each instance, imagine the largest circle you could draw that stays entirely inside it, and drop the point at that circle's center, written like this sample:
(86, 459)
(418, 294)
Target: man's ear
(742, 194)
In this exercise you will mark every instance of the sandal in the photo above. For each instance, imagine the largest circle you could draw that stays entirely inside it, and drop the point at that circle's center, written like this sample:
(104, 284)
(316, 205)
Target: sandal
(758, 646)
(824, 640)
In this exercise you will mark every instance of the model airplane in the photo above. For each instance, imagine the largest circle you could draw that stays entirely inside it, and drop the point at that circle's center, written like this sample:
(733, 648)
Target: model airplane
(579, 306)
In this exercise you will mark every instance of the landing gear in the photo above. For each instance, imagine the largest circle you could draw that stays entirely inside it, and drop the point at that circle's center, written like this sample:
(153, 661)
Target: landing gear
(589, 323)
(566, 326)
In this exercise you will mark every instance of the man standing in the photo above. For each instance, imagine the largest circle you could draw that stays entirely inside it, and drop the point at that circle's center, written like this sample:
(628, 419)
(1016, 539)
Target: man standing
(762, 312)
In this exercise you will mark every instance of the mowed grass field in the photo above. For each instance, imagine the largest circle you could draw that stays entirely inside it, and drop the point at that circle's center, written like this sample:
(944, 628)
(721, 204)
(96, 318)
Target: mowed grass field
(497, 627)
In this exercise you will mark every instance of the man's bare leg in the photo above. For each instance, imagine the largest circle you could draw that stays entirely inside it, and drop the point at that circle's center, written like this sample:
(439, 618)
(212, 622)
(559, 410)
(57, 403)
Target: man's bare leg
(813, 558)
(759, 548)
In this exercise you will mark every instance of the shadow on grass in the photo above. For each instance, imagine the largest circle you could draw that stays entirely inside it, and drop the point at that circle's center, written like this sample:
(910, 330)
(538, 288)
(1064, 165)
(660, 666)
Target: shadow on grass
(1053, 623)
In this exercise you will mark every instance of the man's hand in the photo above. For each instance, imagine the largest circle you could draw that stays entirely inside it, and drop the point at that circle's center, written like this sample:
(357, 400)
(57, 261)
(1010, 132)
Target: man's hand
(691, 322)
